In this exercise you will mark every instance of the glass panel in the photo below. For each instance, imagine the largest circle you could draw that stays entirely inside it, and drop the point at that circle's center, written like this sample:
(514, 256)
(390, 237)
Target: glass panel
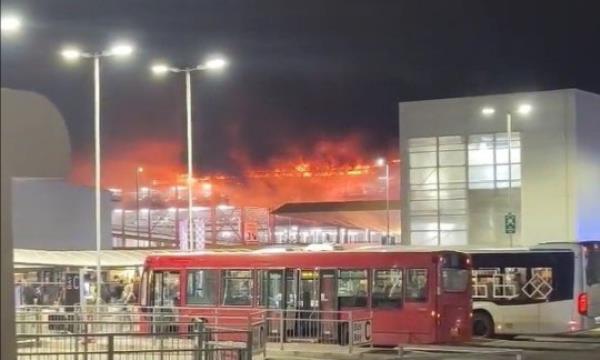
(452, 174)
(352, 288)
(453, 204)
(272, 289)
(540, 283)
(453, 222)
(453, 238)
(592, 269)
(237, 287)
(387, 288)
(424, 223)
(481, 173)
(416, 285)
(424, 238)
(423, 205)
(423, 195)
(452, 158)
(422, 144)
(423, 176)
(422, 159)
(453, 194)
(455, 280)
(202, 287)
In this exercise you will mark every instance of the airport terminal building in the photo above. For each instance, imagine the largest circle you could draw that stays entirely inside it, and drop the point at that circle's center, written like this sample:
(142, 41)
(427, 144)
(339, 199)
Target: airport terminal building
(461, 185)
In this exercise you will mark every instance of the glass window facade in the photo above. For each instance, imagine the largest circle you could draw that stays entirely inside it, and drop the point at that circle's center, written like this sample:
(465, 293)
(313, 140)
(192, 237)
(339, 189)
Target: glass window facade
(443, 174)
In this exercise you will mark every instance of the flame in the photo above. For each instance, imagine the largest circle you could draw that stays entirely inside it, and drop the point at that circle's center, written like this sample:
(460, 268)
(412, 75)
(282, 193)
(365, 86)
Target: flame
(328, 169)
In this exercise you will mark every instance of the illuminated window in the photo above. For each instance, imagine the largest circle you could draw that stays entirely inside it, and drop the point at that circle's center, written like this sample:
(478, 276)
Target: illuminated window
(416, 285)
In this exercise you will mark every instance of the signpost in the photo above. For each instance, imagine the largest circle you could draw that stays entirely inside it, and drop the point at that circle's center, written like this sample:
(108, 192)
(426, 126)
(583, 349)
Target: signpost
(510, 223)
(510, 226)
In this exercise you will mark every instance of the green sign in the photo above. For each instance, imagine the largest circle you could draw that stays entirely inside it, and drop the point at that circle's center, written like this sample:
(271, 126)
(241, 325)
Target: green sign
(510, 223)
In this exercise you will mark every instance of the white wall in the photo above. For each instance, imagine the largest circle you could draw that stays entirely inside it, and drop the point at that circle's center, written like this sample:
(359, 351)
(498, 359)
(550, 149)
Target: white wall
(34, 142)
(51, 214)
(560, 157)
(587, 168)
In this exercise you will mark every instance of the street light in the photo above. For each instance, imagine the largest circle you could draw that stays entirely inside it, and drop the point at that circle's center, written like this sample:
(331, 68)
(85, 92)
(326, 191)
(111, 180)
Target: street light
(211, 64)
(138, 171)
(72, 54)
(523, 109)
(10, 24)
(381, 162)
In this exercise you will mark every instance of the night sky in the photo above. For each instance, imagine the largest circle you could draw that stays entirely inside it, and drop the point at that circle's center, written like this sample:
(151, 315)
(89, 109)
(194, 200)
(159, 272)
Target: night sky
(300, 70)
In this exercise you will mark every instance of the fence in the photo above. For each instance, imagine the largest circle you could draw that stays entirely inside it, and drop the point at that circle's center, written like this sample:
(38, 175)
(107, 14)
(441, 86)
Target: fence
(242, 328)
(129, 333)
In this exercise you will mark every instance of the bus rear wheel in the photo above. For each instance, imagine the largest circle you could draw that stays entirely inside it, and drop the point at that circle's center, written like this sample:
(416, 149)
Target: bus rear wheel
(483, 324)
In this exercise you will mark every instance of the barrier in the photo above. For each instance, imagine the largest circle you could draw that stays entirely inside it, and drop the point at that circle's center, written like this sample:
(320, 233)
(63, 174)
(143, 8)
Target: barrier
(244, 328)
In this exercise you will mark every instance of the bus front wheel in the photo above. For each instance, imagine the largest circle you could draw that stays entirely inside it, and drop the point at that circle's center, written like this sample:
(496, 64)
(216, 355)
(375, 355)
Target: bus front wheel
(483, 324)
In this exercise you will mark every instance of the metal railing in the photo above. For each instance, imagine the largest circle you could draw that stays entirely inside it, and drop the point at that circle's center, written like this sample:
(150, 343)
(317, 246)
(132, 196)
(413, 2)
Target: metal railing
(242, 327)
(109, 332)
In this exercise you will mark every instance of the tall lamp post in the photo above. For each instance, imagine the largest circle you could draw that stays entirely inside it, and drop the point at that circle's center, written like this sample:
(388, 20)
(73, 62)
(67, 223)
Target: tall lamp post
(161, 69)
(72, 54)
(523, 109)
(138, 171)
(381, 162)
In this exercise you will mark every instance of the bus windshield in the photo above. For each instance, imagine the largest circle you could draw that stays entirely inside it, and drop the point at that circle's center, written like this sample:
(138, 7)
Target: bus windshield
(592, 270)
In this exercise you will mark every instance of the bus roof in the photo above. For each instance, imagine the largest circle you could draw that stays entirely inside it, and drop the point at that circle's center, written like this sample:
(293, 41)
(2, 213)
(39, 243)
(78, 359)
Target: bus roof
(298, 258)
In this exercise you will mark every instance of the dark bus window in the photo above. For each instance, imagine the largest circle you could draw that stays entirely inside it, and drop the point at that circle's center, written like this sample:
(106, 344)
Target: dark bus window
(237, 287)
(352, 288)
(202, 287)
(455, 280)
(523, 277)
(387, 288)
(271, 289)
(166, 289)
(416, 285)
(592, 269)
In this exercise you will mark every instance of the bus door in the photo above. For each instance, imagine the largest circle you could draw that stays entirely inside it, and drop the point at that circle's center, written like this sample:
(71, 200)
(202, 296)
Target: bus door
(165, 298)
(328, 305)
(302, 294)
(453, 300)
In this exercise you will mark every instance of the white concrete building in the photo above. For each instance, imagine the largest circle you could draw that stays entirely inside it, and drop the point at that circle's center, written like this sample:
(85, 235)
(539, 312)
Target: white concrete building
(52, 214)
(455, 169)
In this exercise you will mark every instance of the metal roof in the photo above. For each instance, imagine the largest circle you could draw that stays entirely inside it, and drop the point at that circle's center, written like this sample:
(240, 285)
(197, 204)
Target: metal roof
(85, 258)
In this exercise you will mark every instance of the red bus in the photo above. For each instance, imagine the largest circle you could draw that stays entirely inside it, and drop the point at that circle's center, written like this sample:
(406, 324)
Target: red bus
(413, 296)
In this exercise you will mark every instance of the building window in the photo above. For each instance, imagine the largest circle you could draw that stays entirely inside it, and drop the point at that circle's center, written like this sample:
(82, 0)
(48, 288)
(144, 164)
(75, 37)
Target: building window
(442, 170)
(438, 191)
(489, 166)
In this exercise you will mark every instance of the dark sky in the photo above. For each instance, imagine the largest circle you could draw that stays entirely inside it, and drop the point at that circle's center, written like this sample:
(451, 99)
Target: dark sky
(299, 70)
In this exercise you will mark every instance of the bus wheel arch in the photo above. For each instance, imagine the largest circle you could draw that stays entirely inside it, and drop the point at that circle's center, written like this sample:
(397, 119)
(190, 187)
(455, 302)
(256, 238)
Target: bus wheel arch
(483, 323)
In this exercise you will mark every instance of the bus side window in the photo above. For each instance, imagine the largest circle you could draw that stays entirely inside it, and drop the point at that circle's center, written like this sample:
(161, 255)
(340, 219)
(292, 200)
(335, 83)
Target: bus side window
(237, 287)
(352, 288)
(201, 287)
(416, 285)
(387, 288)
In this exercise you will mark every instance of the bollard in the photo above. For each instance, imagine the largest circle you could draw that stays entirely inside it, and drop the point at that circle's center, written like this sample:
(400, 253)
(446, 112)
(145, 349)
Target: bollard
(401, 352)
(281, 329)
(249, 345)
(111, 347)
(350, 333)
(199, 330)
